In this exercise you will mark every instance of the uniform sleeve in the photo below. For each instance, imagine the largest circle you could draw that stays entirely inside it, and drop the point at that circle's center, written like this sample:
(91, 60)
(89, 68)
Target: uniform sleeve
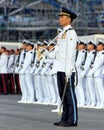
(70, 52)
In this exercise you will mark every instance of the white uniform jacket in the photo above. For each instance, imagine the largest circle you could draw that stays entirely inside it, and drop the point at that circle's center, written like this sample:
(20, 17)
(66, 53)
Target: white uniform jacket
(89, 59)
(98, 65)
(21, 61)
(80, 58)
(3, 63)
(66, 51)
(27, 61)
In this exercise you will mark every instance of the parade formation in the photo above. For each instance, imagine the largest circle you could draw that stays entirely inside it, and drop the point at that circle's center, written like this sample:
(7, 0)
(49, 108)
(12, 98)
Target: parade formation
(66, 72)
(28, 70)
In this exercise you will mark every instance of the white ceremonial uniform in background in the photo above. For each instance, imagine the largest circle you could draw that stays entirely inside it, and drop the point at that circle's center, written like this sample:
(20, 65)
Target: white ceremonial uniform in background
(21, 61)
(28, 82)
(11, 63)
(15, 61)
(80, 92)
(31, 68)
(3, 63)
(89, 90)
(38, 84)
(11, 73)
(45, 88)
(21, 76)
(3, 72)
(50, 80)
(96, 72)
(53, 73)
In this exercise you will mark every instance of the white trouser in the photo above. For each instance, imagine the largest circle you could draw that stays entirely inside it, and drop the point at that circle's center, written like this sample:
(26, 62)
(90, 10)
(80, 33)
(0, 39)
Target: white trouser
(38, 87)
(23, 87)
(81, 92)
(91, 90)
(52, 88)
(31, 88)
(100, 89)
(87, 95)
(45, 87)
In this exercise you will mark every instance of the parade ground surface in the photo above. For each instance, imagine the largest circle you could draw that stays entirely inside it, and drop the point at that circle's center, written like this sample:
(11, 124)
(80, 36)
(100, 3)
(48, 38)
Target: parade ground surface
(14, 116)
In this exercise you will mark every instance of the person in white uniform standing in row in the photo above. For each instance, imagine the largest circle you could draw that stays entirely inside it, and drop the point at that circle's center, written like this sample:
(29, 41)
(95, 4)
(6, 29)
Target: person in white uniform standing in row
(79, 63)
(89, 85)
(39, 63)
(65, 67)
(18, 68)
(28, 79)
(96, 73)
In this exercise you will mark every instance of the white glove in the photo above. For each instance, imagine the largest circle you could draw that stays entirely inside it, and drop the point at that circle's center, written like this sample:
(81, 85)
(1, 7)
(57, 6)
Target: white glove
(42, 73)
(37, 72)
(90, 74)
(21, 72)
(68, 76)
(27, 72)
(17, 70)
(82, 75)
(51, 73)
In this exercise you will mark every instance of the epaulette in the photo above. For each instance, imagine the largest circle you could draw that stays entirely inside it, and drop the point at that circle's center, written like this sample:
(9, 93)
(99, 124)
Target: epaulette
(69, 29)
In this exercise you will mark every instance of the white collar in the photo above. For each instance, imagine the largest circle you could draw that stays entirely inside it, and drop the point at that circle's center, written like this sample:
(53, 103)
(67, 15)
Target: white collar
(67, 27)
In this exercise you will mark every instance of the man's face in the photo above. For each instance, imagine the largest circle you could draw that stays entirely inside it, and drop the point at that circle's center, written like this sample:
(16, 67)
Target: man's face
(23, 46)
(50, 47)
(90, 47)
(16, 52)
(100, 47)
(64, 20)
(81, 47)
(2, 50)
(28, 47)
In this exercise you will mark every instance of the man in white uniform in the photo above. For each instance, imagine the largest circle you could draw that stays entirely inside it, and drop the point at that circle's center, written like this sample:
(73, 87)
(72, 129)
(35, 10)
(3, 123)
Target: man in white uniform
(89, 85)
(38, 65)
(50, 80)
(79, 62)
(16, 75)
(3, 70)
(96, 72)
(18, 68)
(28, 79)
(11, 71)
(65, 64)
